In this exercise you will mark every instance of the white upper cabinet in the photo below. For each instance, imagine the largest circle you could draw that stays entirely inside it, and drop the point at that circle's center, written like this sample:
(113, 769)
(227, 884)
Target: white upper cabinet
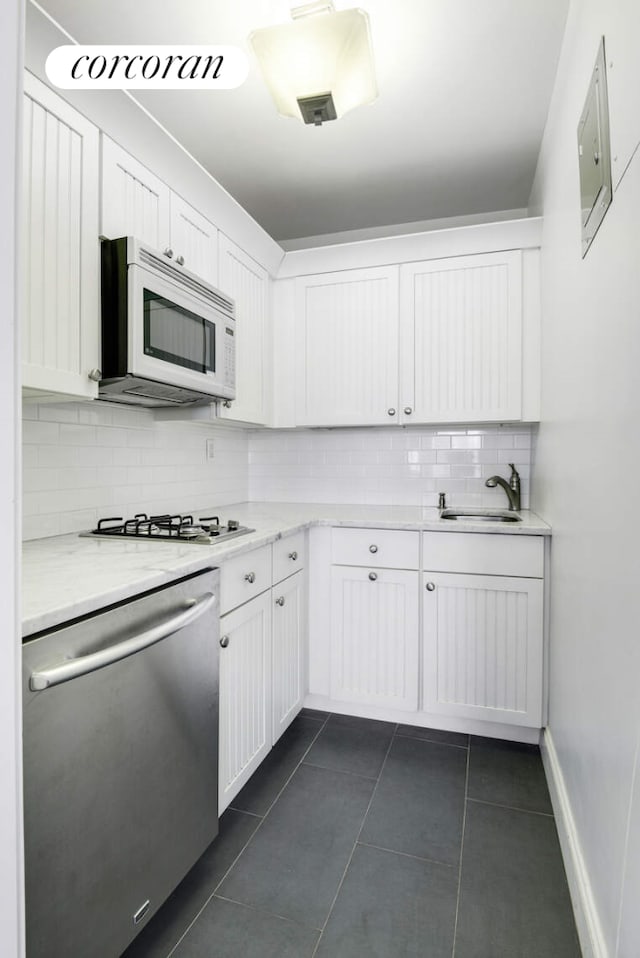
(429, 342)
(247, 283)
(136, 203)
(347, 348)
(194, 239)
(461, 335)
(61, 255)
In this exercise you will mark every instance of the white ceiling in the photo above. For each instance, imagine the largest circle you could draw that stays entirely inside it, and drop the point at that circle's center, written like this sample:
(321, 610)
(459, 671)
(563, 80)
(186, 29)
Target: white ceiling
(464, 91)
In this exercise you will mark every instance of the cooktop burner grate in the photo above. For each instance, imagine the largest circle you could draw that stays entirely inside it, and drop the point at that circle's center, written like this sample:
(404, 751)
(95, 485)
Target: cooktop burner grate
(178, 528)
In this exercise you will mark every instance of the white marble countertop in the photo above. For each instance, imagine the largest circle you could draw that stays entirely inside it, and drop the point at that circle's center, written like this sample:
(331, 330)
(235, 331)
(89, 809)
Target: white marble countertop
(64, 577)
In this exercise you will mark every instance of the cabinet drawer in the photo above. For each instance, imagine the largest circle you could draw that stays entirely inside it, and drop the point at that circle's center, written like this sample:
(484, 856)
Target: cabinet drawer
(289, 555)
(380, 548)
(483, 554)
(243, 577)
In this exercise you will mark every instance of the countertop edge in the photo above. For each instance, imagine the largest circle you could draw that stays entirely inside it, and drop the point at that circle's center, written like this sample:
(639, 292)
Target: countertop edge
(165, 570)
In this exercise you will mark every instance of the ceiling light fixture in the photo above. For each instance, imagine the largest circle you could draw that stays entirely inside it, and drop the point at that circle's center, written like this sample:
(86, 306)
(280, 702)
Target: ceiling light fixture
(320, 66)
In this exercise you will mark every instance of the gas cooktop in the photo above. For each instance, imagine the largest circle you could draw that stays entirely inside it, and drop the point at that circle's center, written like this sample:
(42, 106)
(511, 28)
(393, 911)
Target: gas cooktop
(173, 528)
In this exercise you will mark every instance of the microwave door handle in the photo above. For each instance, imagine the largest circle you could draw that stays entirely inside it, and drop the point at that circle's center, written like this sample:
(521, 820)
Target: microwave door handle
(74, 668)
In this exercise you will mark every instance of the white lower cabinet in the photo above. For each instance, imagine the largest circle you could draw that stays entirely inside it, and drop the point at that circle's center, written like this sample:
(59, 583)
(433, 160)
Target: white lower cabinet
(245, 694)
(374, 636)
(287, 652)
(483, 627)
(262, 657)
(460, 643)
(482, 647)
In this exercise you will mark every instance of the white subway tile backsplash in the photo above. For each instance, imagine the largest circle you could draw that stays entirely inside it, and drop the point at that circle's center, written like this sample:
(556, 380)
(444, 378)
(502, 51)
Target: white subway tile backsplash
(466, 442)
(66, 412)
(407, 466)
(85, 460)
(39, 433)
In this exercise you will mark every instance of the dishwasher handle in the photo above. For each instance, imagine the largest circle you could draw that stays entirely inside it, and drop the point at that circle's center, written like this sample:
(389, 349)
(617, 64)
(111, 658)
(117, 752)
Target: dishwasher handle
(74, 668)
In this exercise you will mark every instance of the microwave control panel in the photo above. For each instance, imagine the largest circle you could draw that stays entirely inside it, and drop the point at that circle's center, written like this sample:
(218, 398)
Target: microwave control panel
(229, 357)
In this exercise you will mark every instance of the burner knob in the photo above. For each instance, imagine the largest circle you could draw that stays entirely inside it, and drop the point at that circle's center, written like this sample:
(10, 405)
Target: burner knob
(233, 525)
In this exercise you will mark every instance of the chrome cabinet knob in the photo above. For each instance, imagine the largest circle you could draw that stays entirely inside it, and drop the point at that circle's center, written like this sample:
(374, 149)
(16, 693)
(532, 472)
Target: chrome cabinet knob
(293, 556)
(250, 577)
(95, 375)
(373, 576)
(227, 404)
(408, 410)
(430, 586)
(391, 411)
(373, 549)
(168, 252)
(224, 641)
(180, 260)
(280, 601)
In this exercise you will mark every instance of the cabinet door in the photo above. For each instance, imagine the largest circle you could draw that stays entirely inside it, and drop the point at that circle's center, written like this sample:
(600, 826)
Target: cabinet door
(374, 637)
(461, 329)
(195, 239)
(134, 201)
(61, 254)
(245, 699)
(288, 645)
(248, 284)
(482, 647)
(347, 348)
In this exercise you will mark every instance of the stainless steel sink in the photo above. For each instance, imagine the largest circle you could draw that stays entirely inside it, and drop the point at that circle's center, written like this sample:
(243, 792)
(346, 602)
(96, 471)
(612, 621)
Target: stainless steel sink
(481, 515)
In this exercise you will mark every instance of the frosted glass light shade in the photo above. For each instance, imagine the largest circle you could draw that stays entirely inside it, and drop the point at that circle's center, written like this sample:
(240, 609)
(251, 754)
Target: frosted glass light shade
(325, 53)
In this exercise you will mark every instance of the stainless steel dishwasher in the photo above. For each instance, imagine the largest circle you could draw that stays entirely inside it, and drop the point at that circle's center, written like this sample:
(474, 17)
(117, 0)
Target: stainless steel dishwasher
(120, 765)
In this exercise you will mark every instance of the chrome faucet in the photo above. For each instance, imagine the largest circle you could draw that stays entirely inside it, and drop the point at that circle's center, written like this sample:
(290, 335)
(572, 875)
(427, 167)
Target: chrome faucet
(512, 488)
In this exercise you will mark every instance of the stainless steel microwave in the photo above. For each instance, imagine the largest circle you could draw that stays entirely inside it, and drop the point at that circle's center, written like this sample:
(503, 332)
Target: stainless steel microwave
(168, 337)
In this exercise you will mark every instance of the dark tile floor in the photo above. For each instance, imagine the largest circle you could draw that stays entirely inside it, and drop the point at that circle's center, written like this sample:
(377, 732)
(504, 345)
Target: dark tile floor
(361, 839)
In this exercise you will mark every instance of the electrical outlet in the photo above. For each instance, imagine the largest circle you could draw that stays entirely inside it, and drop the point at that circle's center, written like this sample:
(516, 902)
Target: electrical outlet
(210, 449)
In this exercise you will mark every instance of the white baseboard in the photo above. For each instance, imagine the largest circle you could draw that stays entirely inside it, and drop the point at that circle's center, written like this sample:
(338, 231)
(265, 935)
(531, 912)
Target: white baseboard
(585, 912)
(514, 733)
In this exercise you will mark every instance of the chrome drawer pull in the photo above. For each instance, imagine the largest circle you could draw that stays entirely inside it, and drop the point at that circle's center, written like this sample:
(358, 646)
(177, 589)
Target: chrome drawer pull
(224, 641)
(280, 601)
(430, 586)
(373, 549)
(250, 577)
(293, 555)
(373, 576)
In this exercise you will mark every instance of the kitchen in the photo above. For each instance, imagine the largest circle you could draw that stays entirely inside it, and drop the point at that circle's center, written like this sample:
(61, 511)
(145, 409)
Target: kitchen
(585, 439)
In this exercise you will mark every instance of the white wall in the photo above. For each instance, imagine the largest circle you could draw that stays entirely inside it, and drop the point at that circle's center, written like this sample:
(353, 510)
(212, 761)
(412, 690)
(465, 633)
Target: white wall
(84, 461)
(587, 470)
(11, 882)
(407, 466)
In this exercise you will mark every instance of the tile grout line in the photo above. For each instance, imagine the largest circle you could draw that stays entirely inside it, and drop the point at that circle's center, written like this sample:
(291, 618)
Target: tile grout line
(355, 844)
(264, 912)
(464, 823)
(343, 771)
(417, 858)
(243, 811)
(431, 741)
(512, 808)
(257, 829)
